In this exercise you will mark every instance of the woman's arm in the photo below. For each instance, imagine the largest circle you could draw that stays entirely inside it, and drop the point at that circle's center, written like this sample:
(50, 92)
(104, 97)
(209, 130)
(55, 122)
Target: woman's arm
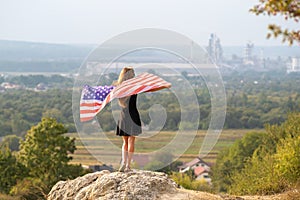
(123, 102)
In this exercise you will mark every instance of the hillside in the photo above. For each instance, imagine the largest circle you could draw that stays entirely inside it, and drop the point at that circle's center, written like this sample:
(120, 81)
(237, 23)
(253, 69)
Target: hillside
(139, 184)
(19, 56)
(22, 56)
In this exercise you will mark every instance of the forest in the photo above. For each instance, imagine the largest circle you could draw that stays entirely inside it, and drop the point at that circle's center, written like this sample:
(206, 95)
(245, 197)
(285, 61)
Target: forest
(268, 160)
(253, 99)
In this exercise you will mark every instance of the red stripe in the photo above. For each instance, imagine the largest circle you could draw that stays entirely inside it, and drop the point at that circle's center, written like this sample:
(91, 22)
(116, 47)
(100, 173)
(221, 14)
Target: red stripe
(106, 101)
(124, 94)
(140, 82)
(88, 111)
(127, 91)
(140, 89)
(155, 89)
(84, 119)
(90, 104)
(136, 79)
(126, 87)
(124, 91)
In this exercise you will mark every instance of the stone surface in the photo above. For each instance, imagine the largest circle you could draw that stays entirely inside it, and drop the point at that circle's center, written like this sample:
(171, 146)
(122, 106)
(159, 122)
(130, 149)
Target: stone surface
(137, 184)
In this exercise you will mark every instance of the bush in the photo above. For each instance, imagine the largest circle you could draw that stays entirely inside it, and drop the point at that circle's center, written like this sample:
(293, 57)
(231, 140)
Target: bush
(186, 180)
(10, 171)
(12, 142)
(30, 189)
(275, 166)
(288, 159)
(233, 159)
(258, 177)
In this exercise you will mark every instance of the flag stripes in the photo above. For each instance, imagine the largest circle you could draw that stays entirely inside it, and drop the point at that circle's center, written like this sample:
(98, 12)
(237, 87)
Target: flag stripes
(94, 99)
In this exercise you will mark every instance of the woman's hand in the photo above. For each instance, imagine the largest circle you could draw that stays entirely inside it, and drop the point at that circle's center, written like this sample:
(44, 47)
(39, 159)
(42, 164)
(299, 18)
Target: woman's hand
(123, 102)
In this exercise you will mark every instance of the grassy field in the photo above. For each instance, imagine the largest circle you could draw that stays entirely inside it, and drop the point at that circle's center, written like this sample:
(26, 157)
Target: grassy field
(90, 145)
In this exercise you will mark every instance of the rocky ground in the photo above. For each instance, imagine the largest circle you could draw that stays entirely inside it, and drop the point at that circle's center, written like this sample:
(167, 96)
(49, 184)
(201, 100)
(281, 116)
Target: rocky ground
(135, 185)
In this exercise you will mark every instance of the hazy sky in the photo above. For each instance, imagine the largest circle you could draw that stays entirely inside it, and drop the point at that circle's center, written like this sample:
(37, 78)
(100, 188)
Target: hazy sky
(94, 21)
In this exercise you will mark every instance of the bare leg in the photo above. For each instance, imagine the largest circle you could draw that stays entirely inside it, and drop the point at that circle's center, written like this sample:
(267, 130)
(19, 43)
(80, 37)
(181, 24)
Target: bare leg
(124, 153)
(131, 141)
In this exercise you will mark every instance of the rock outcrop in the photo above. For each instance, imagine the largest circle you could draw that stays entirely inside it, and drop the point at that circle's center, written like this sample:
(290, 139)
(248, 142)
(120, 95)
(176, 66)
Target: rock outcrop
(137, 184)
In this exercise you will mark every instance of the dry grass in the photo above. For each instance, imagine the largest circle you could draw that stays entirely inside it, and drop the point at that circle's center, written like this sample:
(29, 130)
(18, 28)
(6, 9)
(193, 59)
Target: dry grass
(8, 197)
(151, 144)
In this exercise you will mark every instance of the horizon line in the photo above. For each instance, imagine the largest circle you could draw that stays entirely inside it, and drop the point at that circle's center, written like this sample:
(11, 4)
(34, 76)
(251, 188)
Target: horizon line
(95, 44)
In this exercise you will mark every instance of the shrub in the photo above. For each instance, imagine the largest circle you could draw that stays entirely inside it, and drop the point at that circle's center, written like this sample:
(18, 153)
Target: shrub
(288, 159)
(30, 189)
(186, 180)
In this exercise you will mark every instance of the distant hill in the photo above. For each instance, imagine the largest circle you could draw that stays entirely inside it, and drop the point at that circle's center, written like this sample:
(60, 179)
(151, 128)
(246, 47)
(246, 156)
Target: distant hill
(20, 56)
(19, 50)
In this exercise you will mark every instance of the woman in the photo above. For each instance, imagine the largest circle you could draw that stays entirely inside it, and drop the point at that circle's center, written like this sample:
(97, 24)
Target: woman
(129, 124)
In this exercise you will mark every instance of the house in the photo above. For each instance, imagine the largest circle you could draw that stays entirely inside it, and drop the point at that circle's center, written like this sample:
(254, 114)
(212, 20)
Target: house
(7, 85)
(40, 87)
(193, 164)
(202, 174)
(199, 167)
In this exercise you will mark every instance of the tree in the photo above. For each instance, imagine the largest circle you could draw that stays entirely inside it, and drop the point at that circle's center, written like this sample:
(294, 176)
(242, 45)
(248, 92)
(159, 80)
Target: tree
(275, 166)
(289, 9)
(54, 113)
(234, 158)
(288, 159)
(10, 171)
(18, 125)
(257, 177)
(12, 142)
(29, 189)
(45, 151)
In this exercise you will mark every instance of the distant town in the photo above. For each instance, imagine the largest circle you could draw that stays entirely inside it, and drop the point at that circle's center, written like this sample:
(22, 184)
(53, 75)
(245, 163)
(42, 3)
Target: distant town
(250, 60)
(27, 58)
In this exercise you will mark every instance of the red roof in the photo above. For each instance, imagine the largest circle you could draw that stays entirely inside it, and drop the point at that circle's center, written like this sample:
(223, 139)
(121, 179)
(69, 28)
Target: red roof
(199, 170)
(193, 162)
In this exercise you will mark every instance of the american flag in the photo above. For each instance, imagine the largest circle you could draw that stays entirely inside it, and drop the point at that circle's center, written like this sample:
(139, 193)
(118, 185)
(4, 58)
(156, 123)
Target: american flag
(94, 99)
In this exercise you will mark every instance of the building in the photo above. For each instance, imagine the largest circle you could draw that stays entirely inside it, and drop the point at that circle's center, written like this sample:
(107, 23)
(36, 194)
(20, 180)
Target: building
(199, 167)
(202, 173)
(40, 87)
(214, 49)
(248, 54)
(7, 85)
(293, 65)
(193, 164)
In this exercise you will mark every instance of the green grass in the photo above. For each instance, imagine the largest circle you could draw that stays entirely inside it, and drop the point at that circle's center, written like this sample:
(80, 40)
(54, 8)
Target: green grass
(151, 144)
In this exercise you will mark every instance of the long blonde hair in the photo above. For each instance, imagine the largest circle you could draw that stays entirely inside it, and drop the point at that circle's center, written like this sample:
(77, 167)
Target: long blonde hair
(125, 74)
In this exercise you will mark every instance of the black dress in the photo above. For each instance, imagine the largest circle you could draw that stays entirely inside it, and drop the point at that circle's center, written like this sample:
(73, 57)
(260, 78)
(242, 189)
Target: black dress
(129, 123)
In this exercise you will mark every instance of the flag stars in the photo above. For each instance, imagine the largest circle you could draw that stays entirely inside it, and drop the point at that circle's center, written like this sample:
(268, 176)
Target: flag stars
(97, 93)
